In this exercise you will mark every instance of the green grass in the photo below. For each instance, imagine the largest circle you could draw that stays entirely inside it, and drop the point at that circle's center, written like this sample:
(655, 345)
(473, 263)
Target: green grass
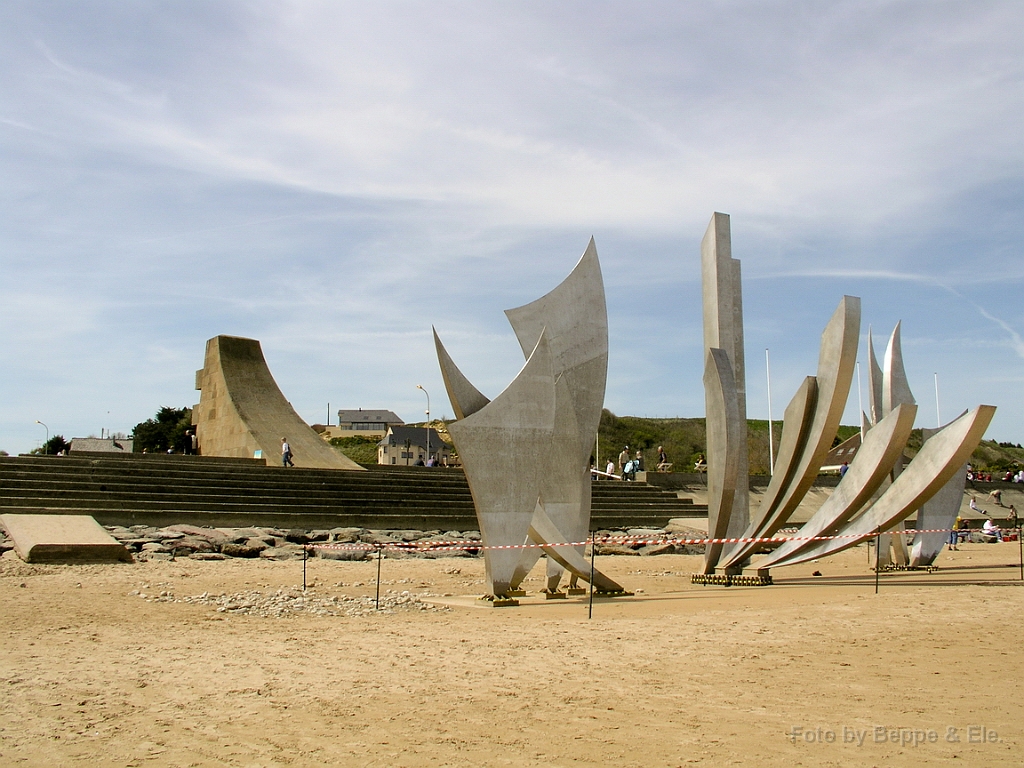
(686, 439)
(359, 448)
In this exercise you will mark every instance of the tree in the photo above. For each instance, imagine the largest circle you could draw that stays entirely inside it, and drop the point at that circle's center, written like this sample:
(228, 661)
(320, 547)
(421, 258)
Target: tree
(51, 447)
(163, 432)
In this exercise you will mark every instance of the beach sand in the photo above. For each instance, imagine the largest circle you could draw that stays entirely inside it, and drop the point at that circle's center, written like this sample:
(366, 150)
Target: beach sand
(810, 671)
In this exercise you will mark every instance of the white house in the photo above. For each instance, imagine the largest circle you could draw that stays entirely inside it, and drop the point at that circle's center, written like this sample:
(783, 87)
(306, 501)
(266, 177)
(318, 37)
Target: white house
(406, 446)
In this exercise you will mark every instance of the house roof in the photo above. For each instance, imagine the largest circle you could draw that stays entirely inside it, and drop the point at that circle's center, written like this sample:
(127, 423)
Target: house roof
(845, 451)
(368, 416)
(416, 436)
(101, 445)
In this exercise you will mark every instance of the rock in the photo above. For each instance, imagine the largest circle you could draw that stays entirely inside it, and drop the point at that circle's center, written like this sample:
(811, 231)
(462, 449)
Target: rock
(153, 546)
(319, 536)
(296, 536)
(658, 549)
(207, 556)
(646, 533)
(346, 535)
(377, 537)
(284, 552)
(615, 549)
(683, 526)
(408, 535)
(165, 535)
(210, 534)
(247, 548)
(188, 545)
(343, 554)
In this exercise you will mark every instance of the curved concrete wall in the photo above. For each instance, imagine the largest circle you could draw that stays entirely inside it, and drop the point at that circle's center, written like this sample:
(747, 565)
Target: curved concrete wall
(241, 410)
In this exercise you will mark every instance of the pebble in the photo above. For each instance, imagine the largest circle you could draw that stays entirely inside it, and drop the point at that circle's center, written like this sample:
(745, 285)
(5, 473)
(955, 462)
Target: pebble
(290, 602)
(151, 543)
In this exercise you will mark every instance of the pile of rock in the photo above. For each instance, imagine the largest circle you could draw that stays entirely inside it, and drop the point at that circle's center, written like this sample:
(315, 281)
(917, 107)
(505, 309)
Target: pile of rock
(290, 602)
(173, 541)
(651, 541)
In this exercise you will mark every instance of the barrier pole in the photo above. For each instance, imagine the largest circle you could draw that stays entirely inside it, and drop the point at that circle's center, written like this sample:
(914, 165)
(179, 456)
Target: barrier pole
(380, 554)
(878, 556)
(305, 556)
(593, 550)
(1020, 551)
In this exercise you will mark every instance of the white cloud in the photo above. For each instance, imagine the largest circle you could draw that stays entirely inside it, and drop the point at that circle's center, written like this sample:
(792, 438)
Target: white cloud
(281, 170)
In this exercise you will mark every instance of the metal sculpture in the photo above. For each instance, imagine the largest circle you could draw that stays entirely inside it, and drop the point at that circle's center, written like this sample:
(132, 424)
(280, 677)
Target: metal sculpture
(810, 424)
(724, 387)
(798, 466)
(526, 453)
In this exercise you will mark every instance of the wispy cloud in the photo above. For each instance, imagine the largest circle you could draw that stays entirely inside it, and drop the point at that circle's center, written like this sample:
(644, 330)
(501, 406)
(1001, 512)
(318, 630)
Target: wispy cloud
(335, 178)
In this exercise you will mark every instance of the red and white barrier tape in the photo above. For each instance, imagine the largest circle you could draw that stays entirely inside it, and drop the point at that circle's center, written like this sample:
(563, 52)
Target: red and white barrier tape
(442, 546)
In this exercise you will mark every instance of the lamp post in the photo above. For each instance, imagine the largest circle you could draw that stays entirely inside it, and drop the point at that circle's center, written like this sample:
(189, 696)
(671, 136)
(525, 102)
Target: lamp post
(45, 448)
(420, 387)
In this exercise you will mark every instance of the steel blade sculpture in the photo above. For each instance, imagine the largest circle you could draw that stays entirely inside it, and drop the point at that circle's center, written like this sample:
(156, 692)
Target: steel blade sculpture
(877, 493)
(527, 453)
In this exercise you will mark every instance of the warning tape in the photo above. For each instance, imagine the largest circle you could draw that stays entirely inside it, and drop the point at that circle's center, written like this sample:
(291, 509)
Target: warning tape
(442, 546)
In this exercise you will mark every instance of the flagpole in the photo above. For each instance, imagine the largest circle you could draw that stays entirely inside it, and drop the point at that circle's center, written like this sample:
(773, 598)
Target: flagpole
(771, 438)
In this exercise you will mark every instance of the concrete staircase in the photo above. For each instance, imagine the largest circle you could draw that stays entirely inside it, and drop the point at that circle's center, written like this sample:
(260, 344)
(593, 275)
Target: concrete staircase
(160, 490)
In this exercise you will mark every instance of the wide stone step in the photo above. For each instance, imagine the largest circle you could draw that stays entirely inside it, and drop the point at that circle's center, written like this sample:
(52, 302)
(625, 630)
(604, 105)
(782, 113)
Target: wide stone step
(122, 490)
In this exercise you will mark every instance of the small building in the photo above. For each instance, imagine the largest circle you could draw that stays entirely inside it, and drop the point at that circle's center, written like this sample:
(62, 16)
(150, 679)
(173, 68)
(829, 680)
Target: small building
(101, 445)
(842, 453)
(370, 423)
(406, 446)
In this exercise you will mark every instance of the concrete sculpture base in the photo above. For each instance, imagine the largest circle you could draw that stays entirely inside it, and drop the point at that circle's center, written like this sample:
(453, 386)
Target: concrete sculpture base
(63, 539)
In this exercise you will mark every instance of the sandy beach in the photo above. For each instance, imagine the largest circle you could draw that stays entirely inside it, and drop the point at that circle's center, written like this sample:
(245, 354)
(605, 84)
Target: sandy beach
(127, 665)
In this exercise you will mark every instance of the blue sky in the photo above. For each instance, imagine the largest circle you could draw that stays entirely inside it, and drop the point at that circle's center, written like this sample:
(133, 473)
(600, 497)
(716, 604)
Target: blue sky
(334, 178)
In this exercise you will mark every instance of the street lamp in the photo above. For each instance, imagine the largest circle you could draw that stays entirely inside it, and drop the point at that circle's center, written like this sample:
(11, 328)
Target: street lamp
(45, 445)
(420, 387)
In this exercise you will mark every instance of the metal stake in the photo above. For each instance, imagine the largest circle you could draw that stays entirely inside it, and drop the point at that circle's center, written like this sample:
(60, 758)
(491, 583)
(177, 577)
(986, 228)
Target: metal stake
(593, 550)
(305, 555)
(878, 549)
(380, 554)
(1020, 551)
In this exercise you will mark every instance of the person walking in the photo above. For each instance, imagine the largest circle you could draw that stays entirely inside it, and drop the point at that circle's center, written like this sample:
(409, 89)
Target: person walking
(286, 453)
(623, 459)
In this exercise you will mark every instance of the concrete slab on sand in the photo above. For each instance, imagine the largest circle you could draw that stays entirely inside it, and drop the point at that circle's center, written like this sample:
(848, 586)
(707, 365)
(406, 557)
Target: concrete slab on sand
(62, 539)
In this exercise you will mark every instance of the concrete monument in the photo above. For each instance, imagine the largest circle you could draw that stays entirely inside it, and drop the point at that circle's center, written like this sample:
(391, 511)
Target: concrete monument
(241, 411)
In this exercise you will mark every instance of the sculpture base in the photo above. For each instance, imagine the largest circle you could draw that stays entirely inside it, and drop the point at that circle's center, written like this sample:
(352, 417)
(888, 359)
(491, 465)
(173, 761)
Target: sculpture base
(731, 580)
(516, 593)
(895, 567)
(575, 591)
(553, 595)
(499, 602)
(621, 593)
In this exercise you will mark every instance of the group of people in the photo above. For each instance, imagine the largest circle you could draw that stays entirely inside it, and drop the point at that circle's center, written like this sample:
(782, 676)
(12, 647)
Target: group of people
(629, 465)
(986, 477)
(962, 530)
